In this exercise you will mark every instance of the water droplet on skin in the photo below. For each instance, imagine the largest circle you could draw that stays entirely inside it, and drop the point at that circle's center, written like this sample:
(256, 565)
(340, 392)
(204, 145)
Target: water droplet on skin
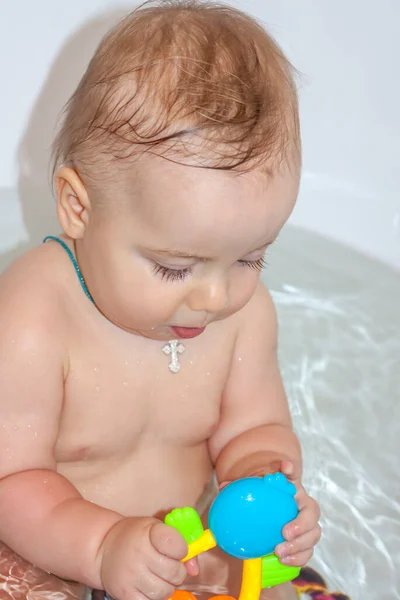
(96, 369)
(125, 384)
(240, 359)
(35, 435)
(208, 373)
(97, 388)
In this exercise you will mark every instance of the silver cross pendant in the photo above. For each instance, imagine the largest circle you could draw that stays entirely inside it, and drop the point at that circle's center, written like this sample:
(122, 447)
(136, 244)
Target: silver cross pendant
(174, 348)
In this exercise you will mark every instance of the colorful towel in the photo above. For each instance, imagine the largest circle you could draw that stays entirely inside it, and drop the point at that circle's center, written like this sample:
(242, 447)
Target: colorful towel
(311, 585)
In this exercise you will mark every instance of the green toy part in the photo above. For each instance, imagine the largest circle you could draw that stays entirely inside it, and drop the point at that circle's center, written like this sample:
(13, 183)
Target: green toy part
(187, 522)
(274, 572)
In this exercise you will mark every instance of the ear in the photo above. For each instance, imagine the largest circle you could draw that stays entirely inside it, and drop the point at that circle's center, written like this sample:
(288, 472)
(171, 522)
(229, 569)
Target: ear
(73, 204)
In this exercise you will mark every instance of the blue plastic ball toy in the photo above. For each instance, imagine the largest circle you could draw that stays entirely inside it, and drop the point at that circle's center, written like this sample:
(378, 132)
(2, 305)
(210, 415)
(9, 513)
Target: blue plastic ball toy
(248, 515)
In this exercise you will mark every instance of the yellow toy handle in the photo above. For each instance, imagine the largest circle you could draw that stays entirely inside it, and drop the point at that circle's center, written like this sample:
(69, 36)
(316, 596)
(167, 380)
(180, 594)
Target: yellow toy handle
(251, 579)
(203, 544)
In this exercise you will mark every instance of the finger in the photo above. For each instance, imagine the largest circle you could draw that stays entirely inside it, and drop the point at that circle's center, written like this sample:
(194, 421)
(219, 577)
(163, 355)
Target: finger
(287, 468)
(134, 593)
(192, 567)
(223, 484)
(301, 544)
(306, 521)
(154, 587)
(298, 560)
(168, 541)
(302, 498)
(170, 570)
(292, 470)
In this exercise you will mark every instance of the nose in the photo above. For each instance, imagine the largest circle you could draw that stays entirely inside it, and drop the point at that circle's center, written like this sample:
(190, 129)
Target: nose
(209, 296)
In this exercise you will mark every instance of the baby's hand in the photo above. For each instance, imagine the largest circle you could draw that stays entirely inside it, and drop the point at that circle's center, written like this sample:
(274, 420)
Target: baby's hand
(141, 558)
(304, 532)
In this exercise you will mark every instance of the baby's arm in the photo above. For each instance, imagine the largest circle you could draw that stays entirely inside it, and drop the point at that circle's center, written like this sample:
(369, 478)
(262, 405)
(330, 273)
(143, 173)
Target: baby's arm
(44, 518)
(255, 428)
(255, 434)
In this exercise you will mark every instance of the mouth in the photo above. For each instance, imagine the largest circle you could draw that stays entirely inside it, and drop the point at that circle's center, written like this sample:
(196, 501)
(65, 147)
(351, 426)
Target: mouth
(187, 332)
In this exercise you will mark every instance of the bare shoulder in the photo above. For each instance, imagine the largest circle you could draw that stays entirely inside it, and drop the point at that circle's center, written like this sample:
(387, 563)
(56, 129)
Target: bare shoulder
(258, 318)
(31, 292)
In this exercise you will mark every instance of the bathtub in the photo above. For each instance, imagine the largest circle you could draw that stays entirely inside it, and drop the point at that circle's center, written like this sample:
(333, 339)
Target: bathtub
(334, 272)
(339, 354)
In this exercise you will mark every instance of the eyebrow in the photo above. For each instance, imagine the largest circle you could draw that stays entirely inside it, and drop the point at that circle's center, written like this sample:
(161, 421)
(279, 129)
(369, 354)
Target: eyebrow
(179, 254)
(183, 254)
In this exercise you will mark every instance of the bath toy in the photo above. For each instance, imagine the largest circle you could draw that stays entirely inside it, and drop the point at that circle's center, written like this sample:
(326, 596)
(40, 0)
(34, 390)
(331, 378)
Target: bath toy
(246, 521)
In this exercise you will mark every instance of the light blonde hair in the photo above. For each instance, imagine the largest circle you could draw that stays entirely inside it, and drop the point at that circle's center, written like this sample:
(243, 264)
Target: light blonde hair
(175, 71)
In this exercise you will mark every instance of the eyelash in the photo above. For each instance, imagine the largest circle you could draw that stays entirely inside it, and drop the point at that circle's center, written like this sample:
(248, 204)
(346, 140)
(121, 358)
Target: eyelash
(170, 275)
(257, 265)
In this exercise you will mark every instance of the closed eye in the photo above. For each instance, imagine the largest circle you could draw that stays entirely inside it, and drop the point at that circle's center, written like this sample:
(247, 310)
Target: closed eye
(257, 265)
(171, 275)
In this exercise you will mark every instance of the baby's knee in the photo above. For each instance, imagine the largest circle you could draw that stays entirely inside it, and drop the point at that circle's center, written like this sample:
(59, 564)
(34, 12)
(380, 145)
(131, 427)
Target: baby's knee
(20, 580)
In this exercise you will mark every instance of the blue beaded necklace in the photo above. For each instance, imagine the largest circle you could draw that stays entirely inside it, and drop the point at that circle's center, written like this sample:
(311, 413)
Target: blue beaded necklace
(74, 262)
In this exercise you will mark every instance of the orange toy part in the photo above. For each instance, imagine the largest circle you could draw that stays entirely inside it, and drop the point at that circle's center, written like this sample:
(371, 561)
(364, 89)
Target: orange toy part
(182, 595)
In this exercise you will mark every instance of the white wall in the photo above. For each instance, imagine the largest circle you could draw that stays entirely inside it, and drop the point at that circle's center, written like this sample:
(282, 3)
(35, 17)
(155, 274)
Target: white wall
(350, 93)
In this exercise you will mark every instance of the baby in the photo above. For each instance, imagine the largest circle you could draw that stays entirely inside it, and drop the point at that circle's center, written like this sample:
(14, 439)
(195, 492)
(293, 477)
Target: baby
(139, 348)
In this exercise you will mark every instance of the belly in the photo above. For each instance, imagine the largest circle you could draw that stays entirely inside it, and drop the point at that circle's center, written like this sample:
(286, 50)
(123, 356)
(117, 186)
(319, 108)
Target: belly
(150, 482)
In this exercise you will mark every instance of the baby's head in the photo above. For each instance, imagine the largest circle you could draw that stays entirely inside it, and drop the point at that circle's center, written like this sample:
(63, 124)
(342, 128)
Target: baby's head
(177, 164)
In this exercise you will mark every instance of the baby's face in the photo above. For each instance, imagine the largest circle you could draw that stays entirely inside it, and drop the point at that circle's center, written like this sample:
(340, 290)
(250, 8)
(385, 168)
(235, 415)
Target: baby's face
(180, 247)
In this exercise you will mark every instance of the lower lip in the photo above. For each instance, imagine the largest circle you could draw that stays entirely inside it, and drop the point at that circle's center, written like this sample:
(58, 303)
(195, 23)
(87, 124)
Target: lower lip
(185, 333)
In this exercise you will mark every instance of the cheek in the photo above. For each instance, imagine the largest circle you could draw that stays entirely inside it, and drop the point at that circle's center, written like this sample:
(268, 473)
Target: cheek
(133, 295)
(243, 286)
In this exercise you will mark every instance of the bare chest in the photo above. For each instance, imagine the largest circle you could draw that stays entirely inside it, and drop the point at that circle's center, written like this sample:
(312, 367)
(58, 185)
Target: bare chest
(122, 394)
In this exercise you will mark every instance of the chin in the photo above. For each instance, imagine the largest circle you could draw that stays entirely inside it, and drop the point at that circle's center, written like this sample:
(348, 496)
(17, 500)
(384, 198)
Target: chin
(156, 335)
(159, 333)
(152, 334)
